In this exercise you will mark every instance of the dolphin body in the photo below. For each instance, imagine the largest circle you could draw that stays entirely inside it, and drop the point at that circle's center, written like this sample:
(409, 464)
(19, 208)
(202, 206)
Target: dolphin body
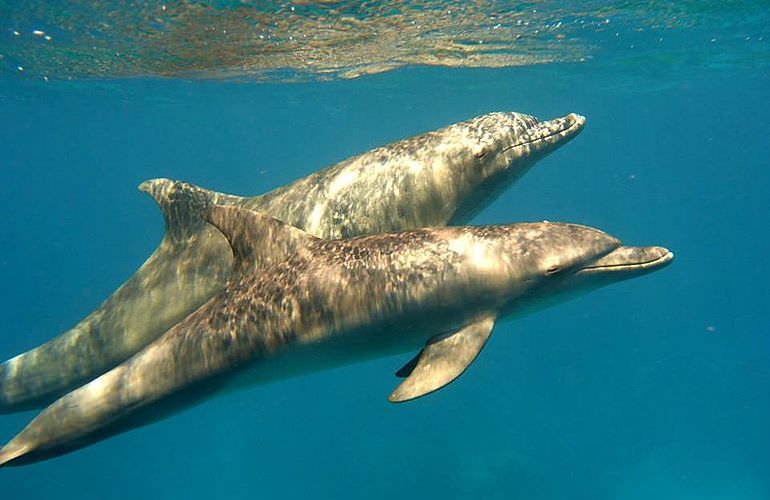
(434, 179)
(331, 303)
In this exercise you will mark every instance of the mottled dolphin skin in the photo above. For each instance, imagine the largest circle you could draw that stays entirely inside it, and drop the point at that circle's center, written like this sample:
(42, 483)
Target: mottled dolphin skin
(437, 178)
(330, 303)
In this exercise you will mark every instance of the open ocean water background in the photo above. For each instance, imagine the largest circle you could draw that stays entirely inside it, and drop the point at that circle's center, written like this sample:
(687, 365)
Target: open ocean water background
(654, 388)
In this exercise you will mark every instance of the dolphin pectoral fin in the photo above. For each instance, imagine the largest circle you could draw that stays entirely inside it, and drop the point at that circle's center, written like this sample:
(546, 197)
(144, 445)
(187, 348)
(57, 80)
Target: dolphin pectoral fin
(443, 360)
(10, 452)
(408, 368)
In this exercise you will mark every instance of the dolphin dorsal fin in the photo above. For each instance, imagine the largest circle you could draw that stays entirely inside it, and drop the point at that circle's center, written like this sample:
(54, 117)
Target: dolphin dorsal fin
(182, 204)
(257, 240)
(442, 360)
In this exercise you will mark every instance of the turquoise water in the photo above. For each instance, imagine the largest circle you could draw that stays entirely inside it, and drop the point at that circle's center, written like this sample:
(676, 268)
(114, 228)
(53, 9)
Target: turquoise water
(652, 388)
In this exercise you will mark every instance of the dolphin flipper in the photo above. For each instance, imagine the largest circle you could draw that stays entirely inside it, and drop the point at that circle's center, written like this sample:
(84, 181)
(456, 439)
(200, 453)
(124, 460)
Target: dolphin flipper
(192, 263)
(443, 360)
(408, 368)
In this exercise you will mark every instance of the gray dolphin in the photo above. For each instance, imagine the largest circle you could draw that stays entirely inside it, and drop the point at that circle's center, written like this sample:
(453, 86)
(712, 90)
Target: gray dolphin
(437, 178)
(330, 303)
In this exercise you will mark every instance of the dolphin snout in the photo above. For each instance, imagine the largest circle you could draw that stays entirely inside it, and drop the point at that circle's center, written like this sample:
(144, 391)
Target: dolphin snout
(557, 131)
(575, 119)
(628, 258)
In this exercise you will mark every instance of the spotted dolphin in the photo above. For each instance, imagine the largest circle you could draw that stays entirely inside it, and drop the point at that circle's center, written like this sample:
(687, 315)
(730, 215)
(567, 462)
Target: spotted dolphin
(434, 179)
(335, 302)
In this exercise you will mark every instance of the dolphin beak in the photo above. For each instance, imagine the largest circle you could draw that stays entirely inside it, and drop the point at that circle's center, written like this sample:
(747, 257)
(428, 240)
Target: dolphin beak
(542, 137)
(630, 259)
(558, 130)
(569, 125)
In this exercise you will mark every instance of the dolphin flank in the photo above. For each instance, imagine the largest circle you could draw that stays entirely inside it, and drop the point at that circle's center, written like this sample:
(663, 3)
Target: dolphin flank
(434, 179)
(330, 303)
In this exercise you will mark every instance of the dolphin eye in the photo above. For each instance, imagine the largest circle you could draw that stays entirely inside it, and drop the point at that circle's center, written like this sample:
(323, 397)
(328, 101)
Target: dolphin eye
(552, 270)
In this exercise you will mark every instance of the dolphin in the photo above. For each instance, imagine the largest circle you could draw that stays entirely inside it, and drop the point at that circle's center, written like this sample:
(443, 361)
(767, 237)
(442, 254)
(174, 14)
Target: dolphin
(334, 302)
(434, 179)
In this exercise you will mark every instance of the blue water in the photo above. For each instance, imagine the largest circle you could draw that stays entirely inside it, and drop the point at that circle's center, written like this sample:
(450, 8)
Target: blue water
(652, 388)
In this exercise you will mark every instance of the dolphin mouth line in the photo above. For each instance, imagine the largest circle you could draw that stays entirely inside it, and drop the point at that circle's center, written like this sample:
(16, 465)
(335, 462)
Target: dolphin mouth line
(575, 125)
(657, 261)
